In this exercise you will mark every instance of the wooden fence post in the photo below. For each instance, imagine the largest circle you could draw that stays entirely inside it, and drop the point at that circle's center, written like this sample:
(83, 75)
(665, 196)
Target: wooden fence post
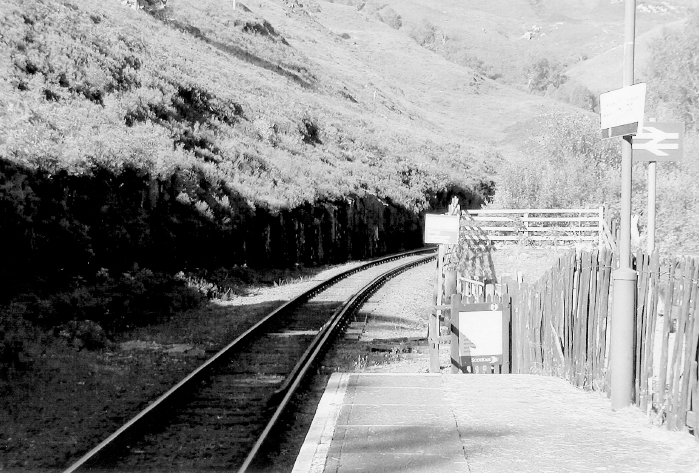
(667, 322)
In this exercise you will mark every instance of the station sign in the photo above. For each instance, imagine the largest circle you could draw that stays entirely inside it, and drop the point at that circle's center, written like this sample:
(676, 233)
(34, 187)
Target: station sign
(621, 111)
(659, 141)
(442, 229)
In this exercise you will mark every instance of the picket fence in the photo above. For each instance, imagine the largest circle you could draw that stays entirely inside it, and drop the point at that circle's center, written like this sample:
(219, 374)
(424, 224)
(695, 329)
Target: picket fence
(561, 327)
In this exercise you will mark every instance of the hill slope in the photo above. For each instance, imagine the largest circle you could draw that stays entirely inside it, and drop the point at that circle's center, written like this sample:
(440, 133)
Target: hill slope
(224, 112)
(604, 72)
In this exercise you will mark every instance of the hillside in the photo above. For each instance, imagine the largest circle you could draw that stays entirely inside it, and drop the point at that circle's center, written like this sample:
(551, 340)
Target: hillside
(137, 136)
(604, 72)
(136, 132)
(141, 136)
(504, 37)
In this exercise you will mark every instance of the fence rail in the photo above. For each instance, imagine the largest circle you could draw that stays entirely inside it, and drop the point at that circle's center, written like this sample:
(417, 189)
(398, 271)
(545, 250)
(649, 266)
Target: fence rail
(551, 225)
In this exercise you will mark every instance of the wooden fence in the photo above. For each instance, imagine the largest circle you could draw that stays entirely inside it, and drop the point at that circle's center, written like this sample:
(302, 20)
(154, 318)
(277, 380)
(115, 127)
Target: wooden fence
(561, 327)
(547, 225)
(666, 347)
(560, 323)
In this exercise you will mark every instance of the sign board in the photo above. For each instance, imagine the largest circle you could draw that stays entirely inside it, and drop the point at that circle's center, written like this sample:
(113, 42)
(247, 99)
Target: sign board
(442, 229)
(480, 335)
(659, 141)
(621, 111)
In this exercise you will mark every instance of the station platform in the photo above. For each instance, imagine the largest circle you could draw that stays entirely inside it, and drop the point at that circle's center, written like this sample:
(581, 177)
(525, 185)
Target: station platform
(482, 424)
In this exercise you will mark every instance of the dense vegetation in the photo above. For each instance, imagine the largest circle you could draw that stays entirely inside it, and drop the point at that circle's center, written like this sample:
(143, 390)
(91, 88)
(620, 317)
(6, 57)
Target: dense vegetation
(208, 142)
(568, 165)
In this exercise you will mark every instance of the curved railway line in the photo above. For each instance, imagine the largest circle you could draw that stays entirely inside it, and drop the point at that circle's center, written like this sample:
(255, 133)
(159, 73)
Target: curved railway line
(219, 417)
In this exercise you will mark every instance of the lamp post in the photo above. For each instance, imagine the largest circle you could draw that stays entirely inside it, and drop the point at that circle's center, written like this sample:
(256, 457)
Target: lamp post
(624, 278)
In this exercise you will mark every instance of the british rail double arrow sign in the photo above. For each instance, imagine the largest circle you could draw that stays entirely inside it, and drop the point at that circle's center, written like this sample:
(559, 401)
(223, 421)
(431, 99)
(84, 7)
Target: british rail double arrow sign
(659, 141)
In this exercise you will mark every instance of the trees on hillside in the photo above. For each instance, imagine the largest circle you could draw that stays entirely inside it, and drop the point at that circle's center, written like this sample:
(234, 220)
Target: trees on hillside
(543, 74)
(673, 75)
(566, 165)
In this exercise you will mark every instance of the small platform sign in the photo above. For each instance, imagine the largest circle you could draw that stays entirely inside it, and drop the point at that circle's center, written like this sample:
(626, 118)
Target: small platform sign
(442, 229)
(481, 335)
(659, 141)
(621, 111)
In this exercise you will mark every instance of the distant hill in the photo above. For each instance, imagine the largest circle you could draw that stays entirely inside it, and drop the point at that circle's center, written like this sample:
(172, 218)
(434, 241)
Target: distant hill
(604, 72)
(507, 34)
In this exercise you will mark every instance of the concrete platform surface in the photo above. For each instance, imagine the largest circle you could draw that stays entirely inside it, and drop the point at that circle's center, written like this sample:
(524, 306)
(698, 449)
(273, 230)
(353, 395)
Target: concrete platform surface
(482, 424)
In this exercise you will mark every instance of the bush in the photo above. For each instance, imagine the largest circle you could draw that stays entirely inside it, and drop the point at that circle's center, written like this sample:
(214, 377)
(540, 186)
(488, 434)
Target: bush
(424, 33)
(580, 96)
(673, 75)
(389, 16)
(543, 74)
(567, 165)
(15, 332)
(135, 298)
(576, 94)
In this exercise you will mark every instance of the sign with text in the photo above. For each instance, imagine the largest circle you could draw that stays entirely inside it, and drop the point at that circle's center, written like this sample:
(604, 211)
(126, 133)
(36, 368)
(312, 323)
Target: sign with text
(442, 229)
(621, 111)
(659, 141)
(481, 335)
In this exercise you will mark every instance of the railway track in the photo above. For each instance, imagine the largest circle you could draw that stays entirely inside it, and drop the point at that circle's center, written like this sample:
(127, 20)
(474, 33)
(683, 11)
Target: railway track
(221, 415)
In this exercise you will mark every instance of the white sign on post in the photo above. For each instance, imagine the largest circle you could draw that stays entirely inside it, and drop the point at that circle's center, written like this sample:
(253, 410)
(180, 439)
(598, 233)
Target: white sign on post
(442, 229)
(621, 111)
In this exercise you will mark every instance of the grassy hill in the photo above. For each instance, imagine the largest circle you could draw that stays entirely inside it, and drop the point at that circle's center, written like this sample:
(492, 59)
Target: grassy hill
(505, 36)
(245, 92)
(138, 135)
(604, 72)
(276, 132)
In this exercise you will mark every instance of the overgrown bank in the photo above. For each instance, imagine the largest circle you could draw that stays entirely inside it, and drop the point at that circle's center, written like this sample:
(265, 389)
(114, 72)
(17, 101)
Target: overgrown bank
(209, 144)
(68, 233)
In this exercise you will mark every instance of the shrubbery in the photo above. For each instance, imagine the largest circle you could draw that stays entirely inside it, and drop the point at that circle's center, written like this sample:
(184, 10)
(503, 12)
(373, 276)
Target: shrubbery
(389, 16)
(673, 75)
(424, 33)
(544, 74)
(88, 312)
(577, 95)
(177, 149)
(137, 297)
(142, 104)
(567, 165)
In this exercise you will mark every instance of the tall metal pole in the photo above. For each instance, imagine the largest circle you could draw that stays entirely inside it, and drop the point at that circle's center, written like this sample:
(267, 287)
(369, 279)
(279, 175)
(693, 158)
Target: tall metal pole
(650, 230)
(650, 233)
(624, 278)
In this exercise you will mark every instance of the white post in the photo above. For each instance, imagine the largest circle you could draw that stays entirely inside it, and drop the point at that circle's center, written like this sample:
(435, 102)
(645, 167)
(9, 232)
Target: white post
(600, 226)
(650, 233)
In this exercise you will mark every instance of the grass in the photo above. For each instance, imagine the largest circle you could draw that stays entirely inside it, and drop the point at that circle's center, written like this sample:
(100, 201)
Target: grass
(63, 401)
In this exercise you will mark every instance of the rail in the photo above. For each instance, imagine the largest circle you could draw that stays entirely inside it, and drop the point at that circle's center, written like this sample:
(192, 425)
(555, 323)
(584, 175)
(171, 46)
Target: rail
(192, 379)
(317, 347)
